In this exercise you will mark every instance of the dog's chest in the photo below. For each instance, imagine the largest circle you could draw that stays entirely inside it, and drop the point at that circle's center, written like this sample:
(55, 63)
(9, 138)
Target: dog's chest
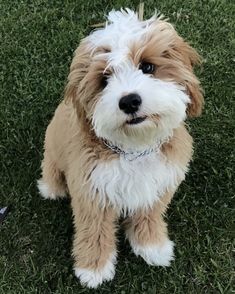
(130, 185)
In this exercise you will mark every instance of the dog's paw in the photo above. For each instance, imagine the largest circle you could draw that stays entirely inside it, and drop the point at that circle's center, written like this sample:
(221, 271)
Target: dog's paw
(156, 254)
(94, 278)
(45, 191)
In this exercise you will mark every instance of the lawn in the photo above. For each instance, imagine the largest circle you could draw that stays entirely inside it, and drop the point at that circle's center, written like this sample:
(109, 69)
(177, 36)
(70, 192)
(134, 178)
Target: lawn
(37, 42)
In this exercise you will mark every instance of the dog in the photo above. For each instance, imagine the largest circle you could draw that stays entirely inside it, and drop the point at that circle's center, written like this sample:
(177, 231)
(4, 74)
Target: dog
(118, 143)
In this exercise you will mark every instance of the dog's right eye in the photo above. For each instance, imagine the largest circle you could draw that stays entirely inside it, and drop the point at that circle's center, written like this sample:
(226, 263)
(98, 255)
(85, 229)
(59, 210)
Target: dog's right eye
(104, 81)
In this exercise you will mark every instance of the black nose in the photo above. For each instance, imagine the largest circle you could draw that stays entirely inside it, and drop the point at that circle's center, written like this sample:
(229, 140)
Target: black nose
(130, 103)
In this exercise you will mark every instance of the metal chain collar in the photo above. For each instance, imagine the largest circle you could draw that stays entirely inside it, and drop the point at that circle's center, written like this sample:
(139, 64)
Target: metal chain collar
(131, 155)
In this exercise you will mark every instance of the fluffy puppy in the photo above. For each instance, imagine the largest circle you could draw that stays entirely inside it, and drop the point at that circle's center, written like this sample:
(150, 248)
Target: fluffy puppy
(117, 142)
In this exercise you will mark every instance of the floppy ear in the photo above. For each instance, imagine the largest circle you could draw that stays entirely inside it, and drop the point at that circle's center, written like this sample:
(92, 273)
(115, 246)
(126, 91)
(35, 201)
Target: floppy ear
(180, 58)
(197, 101)
(189, 57)
(78, 70)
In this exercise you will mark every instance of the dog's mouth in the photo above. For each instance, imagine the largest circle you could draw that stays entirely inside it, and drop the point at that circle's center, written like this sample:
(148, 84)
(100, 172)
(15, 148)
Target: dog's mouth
(136, 120)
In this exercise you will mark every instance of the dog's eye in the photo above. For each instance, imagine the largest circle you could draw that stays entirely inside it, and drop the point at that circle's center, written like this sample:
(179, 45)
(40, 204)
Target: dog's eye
(147, 67)
(104, 81)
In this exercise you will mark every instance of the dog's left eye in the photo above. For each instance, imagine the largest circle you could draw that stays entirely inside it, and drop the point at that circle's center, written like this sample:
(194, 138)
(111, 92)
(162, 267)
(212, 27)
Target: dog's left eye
(147, 67)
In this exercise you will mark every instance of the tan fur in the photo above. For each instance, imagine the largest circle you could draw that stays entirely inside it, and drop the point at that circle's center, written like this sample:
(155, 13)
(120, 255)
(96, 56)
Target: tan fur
(73, 154)
(148, 227)
(94, 239)
(72, 151)
(174, 59)
(179, 149)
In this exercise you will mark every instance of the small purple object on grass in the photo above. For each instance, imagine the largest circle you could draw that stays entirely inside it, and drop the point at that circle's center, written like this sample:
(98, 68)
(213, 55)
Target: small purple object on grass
(3, 213)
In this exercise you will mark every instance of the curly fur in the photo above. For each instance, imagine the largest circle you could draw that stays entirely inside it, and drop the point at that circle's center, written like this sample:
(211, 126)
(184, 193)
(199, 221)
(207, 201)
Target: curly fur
(101, 183)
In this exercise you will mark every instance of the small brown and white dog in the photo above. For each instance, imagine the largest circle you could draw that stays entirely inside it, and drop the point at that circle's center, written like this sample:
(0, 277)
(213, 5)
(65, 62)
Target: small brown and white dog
(118, 144)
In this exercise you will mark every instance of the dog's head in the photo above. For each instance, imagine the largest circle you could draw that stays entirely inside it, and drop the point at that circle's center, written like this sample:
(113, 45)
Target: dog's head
(133, 81)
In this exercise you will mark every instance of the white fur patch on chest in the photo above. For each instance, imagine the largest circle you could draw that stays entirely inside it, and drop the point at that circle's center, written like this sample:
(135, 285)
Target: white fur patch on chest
(131, 185)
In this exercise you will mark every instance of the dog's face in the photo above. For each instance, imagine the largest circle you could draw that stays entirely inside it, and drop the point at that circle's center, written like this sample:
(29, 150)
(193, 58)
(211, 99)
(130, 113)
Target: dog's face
(132, 81)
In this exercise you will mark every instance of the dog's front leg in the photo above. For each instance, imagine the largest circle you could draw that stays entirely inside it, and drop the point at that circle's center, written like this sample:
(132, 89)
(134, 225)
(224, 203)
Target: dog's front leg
(94, 247)
(147, 234)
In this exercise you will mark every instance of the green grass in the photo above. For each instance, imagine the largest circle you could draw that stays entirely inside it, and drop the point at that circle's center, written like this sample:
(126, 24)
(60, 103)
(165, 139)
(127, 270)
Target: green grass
(37, 41)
